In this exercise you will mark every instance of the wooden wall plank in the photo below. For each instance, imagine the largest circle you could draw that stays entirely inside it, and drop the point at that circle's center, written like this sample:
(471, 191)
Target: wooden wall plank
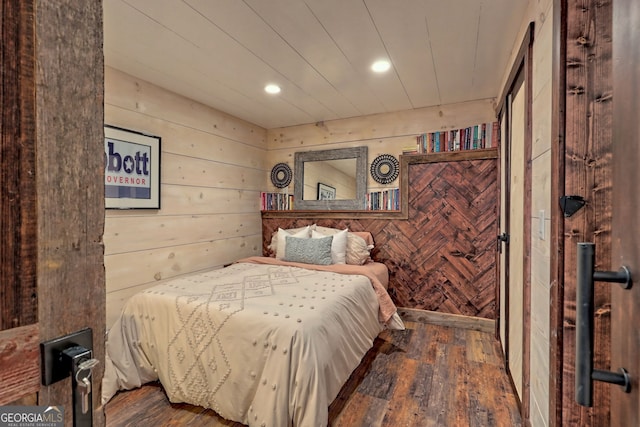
(181, 170)
(19, 362)
(19, 330)
(18, 304)
(130, 234)
(558, 128)
(588, 174)
(185, 200)
(445, 319)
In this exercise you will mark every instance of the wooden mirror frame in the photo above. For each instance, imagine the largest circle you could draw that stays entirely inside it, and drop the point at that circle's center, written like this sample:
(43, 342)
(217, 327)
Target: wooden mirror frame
(359, 153)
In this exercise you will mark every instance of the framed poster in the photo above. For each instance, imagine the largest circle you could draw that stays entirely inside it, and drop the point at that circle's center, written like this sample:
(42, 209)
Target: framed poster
(131, 169)
(326, 192)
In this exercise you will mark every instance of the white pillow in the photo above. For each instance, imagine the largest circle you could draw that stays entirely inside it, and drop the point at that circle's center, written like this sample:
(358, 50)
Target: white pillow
(338, 245)
(282, 242)
(273, 245)
(327, 231)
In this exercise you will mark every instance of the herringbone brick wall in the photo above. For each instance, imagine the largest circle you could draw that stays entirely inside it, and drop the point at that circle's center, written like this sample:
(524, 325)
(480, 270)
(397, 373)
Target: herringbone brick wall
(443, 257)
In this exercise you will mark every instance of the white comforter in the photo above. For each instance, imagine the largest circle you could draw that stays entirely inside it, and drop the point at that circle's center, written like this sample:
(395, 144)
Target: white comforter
(264, 345)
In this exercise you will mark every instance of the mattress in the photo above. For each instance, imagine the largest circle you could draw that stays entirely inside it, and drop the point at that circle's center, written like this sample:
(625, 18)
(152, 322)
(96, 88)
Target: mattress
(261, 342)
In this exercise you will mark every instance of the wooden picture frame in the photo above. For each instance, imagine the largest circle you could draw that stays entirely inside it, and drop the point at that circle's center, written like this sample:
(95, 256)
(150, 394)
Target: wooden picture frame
(304, 158)
(326, 192)
(131, 169)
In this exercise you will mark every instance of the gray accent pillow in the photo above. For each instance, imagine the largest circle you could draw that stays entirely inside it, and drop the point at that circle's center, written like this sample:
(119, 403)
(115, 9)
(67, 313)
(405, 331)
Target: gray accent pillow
(308, 251)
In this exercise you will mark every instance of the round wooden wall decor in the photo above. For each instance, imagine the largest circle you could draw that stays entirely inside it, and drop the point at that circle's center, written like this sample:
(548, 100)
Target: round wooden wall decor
(385, 169)
(281, 175)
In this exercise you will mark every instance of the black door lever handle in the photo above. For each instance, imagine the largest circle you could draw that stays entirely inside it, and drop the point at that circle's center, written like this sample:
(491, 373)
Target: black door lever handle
(585, 372)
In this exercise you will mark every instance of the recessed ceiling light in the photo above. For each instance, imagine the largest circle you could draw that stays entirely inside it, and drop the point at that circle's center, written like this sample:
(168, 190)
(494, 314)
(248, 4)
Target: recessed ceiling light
(271, 88)
(381, 66)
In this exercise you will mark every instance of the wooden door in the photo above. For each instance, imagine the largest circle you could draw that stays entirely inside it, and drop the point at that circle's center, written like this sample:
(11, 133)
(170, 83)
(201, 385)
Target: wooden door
(515, 204)
(515, 253)
(625, 309)
(19, 332)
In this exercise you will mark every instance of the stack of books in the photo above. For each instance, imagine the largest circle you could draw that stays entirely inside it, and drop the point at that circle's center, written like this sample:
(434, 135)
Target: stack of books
(384, 200)
(276, 201)
(483, 135)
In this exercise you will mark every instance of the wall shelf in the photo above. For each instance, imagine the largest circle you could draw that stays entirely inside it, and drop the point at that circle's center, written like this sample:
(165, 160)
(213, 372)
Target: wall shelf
(405, 162)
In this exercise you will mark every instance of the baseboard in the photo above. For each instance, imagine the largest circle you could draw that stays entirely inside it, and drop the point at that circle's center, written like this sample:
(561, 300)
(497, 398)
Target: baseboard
(445, 319)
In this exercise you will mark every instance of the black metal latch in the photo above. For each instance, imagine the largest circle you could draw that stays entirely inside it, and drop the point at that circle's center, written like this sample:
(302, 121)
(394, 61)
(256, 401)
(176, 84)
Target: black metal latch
(571, 204)
(504, 237)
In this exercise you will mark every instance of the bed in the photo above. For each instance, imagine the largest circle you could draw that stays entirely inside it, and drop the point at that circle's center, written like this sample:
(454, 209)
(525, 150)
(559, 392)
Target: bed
(266, 341)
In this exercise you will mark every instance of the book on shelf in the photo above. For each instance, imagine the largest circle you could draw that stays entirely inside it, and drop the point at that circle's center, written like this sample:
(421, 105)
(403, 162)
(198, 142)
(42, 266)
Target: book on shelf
(410, 149)
(384, 200)
(276, 201)
(480, 136)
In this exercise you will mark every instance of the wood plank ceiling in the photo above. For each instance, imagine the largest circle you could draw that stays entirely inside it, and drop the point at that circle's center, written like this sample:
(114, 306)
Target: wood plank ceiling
(223, 52)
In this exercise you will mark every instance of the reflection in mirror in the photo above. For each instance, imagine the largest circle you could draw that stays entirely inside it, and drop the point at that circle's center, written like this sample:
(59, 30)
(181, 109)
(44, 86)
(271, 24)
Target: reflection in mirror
(339, 175)
(331, 179)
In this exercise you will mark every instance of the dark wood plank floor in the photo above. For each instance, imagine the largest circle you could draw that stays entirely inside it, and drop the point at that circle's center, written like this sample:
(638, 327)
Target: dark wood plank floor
(427, 375)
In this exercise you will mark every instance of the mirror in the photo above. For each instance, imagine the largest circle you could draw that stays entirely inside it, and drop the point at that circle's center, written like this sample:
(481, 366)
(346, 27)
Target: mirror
(331, 179)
